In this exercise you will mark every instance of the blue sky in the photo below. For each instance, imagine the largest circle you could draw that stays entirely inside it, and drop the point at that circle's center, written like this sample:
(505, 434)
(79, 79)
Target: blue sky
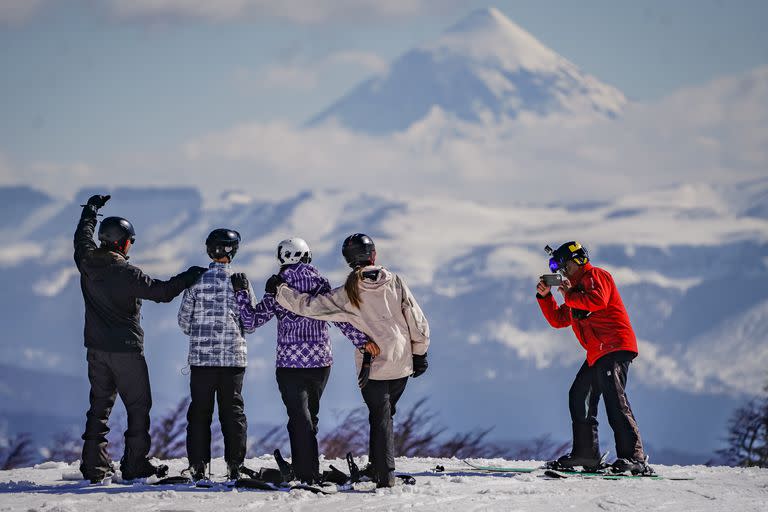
(85, 80)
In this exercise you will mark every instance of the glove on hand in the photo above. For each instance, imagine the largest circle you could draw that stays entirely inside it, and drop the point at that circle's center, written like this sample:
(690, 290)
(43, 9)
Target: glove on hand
(239, 281)
(365, 370)
(96, 202)
(191, 275)
(272, 284)
(419, 365)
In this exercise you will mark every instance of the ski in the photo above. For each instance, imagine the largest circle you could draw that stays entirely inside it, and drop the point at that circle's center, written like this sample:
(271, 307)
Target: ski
(551, 473)
(317, 489)
(499, 469)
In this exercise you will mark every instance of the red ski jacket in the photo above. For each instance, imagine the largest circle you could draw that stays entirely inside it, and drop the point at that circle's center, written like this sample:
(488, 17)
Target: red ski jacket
(593, 308)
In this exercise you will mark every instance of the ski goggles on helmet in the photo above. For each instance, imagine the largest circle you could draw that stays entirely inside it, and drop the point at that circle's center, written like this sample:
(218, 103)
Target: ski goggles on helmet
(554, 265)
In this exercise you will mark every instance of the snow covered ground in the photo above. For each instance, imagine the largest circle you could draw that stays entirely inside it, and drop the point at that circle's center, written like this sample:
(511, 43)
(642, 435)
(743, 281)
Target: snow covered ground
(460, 488)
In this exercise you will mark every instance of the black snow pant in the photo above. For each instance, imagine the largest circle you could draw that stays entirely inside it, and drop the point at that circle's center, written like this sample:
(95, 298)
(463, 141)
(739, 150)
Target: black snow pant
(607, 377)
(301, 390)
(223, 384)
(381, 397)
(110, 374)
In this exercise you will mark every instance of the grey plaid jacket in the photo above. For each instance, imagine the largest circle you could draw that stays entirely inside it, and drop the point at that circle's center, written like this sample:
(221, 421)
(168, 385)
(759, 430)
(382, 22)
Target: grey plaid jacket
(210, 316)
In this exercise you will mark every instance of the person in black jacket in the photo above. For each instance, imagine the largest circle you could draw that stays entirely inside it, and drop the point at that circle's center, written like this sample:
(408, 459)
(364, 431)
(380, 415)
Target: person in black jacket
(113, 290)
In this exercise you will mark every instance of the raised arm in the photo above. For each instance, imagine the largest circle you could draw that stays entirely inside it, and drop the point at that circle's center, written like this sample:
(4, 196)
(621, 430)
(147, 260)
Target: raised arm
(83, 242)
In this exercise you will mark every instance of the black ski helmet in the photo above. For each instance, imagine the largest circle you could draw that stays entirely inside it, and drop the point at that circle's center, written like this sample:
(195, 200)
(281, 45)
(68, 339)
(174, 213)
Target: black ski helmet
(222, 242)
(115, 231)
(570, 251)
(358, 250)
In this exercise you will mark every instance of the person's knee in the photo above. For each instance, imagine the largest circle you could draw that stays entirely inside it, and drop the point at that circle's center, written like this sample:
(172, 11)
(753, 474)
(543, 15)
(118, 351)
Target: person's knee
(198, 411)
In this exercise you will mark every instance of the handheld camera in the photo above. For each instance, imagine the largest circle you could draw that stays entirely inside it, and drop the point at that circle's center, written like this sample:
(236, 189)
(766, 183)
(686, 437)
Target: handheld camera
(553, 280)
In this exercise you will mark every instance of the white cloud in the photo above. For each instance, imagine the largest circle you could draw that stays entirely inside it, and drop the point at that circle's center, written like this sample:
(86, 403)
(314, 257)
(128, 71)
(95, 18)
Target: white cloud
(305, 76)
(51, 286)
(38, 358)
(297, 78)
(17, 11)
(297, 11)
(544, 348)
(12, 255)
(365, 60)
(531, 160)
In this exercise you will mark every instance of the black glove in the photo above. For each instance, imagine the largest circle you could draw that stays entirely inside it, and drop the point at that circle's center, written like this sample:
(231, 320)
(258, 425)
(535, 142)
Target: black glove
(272, 284)
(419, 365)
(97, 201)
(239, 281)
(191, 275)
(365, 370)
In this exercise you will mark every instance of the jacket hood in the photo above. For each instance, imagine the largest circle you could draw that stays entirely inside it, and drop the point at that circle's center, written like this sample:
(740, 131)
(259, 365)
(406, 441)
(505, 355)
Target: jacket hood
(101, 258)
(295, 270)
(375, 277)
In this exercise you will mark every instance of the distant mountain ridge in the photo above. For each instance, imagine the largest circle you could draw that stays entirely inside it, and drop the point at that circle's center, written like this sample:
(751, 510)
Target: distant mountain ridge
(473, 268)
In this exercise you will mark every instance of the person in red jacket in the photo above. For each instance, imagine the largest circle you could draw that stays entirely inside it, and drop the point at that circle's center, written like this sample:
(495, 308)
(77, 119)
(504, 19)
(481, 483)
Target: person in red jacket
(593, 308)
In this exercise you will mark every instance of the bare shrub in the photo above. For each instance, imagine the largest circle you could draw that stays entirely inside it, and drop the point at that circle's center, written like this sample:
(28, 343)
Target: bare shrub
(16, 452)
(748, 435)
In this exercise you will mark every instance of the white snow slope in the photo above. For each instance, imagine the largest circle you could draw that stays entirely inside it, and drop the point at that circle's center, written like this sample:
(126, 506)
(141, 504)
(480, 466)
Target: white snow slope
(714, 489)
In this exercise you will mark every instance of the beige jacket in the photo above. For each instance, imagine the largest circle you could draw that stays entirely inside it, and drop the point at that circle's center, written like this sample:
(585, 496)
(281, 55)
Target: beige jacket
(388, 314)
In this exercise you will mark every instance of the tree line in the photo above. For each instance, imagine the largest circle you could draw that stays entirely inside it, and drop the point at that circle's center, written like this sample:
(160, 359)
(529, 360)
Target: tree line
(419, 433)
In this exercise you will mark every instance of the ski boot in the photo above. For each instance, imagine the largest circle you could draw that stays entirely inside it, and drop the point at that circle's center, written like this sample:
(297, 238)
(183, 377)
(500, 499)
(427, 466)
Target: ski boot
(633, 466)
(569, 462)
(368, 472)
(197, 472)
(387, 480)
(97, 477)
(143, 469)
(233, 471)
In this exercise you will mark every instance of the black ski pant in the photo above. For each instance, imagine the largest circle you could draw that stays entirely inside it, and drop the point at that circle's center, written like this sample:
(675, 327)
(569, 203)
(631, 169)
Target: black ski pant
(223, 384)
(301, 390)
(111, 374)
(607, 377)
(381, 397)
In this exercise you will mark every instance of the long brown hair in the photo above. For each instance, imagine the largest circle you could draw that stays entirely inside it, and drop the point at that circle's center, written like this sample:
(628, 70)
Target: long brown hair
(351, 286)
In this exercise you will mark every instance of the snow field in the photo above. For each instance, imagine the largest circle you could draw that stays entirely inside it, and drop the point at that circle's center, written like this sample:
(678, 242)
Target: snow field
(41, 489)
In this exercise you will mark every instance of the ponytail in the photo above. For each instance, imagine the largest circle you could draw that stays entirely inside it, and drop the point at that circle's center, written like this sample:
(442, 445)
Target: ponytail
(351, 286)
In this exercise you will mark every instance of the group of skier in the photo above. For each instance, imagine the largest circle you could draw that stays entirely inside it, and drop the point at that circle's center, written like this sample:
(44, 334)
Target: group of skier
(218, 308)
(374, 309)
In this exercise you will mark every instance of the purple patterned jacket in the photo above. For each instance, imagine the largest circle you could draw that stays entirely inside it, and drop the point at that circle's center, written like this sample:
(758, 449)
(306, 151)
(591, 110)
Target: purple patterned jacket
(301, 342)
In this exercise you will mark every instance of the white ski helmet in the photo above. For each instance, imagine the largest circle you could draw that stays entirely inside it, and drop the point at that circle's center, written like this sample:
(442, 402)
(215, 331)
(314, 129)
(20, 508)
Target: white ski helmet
(293, 250)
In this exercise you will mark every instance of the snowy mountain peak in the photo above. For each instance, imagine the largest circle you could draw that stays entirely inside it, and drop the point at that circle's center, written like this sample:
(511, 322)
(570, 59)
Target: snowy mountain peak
(489, 34)
(485, 68)
(488, 18)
